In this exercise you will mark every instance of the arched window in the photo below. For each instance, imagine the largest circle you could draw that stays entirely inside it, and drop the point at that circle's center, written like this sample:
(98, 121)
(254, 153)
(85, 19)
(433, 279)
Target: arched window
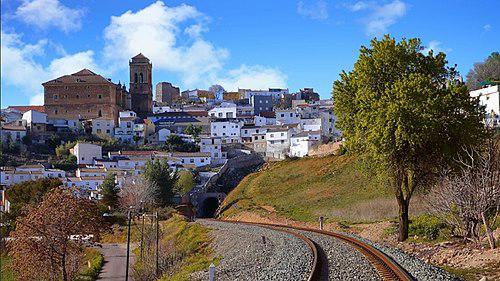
(100, 113)
(142, 78)
(135, 78)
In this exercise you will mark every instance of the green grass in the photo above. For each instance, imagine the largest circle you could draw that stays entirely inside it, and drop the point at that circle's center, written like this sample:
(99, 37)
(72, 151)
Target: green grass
(337, 187)
(6, 274)
(96, 260)
(472, 274)
(191, 242)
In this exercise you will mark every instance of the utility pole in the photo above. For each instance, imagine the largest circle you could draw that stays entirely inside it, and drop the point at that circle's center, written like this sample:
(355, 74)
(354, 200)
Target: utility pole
(157, 245)
(142, 234)
(128, 244)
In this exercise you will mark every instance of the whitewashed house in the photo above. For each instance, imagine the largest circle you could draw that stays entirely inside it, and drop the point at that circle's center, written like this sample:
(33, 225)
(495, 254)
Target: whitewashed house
(228, 130)
(489, 97)
(287, 116)
(301, 143)
(247, 132)
(225, 110)
(278, 142)
(213, 145)
(103, 126)
(328, 124)
(125, 130)
(13, 132)
(163, 135)
(194, 159)
(86, 152)
(310, 124)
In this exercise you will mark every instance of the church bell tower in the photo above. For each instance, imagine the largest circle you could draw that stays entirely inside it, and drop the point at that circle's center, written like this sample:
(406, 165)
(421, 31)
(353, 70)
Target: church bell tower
(141, 85)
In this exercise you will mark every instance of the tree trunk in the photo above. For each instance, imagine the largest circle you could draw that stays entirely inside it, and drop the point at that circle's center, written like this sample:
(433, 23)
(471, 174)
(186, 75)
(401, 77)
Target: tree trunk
(63, 264)
(403, 219)
(489, 233)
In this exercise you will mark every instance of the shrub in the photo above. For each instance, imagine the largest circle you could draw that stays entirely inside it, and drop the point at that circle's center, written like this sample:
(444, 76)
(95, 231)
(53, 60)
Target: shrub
(427, 226)
(96, 260)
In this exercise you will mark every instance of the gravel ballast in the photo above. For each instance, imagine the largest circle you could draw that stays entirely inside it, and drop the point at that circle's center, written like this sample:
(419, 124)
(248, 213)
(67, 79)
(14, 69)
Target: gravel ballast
(245, 255)
(413, 265)
(343, 261)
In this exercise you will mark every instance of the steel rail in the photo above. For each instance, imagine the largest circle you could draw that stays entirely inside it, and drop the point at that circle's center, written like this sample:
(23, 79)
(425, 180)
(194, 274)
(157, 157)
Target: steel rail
(386, 267)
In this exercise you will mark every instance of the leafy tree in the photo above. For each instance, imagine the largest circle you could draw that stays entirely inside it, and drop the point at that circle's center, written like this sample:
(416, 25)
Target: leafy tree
(63, 150)
(53, 255)
(485, 72)
(405, 111)
(29, 192)
(185, 182)
(176, 143)
(26, 140)
(109, 192)
(159, 174)
(193, 130)
(136, 138)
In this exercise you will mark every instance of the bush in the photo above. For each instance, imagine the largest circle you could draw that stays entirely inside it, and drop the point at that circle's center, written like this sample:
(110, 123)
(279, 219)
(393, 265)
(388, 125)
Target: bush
(96, 260)
(427, 226)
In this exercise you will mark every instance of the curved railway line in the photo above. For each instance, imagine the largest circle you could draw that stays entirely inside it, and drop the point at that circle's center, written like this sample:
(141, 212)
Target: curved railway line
(386, 268)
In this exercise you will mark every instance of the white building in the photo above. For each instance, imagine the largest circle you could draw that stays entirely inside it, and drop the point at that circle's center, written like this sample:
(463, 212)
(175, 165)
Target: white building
(311, 124)
(10, 175)
(195, 159)
(125, 130)
(328, 124)
(278, 142)
(213, 145)
(287, 116)
(228, 130)
(35, 117)
(247, 132)
(264, 120)
(163, 135)
(103, 126)
(301, 143)
(86, 152)
(225, 110)
(489, 97)
(13, 131)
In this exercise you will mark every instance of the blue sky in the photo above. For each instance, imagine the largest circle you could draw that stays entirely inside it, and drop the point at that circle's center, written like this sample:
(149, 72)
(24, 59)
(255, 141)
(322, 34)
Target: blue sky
(247, 44)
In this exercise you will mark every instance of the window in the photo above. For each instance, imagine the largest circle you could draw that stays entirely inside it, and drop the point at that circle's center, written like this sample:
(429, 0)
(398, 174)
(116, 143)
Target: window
(246, 131)
(272, 135)
(223, 127)
(55, 112)
(191, 160)
(216, 154)
(83, 158)
(107, 131)
(77, 96)
(282, 115)
(291, 114)
(282, 134)
(135, 78)
(100, 114)
(99, 96)
(56, 97)
(98, 131)
(202, 160)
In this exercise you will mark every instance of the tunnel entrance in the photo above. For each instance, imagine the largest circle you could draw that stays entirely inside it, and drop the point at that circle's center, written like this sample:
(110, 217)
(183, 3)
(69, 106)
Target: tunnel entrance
(209, 207)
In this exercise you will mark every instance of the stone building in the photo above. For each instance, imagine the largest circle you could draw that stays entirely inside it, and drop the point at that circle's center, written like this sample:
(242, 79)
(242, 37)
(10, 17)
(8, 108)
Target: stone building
(141, 86)
(83, 95)
(166, 93)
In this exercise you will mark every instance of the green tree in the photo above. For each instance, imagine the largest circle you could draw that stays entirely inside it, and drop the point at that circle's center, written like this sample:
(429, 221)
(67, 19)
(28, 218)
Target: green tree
(27, 193)
(193, 130)
(485, 72)
(406, 113)
(159, 174)
(109, 192)
(185, 182)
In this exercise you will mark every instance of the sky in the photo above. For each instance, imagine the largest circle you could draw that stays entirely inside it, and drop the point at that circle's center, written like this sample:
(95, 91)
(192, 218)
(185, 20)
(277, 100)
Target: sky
(247, 44)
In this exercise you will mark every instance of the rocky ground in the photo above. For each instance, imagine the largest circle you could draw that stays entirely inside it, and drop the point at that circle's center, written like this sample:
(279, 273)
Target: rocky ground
(256, 253)
(466, 259)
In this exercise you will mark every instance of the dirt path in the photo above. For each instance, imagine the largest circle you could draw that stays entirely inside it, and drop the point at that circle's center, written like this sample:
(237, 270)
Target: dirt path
(115, 259)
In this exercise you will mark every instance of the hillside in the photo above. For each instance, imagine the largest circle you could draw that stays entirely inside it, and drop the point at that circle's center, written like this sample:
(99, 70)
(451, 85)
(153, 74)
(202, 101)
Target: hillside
(336, 187)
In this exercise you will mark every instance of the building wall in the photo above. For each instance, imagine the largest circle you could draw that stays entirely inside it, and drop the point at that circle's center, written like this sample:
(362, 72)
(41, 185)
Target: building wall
(141, 86)
(81, 101)
(166, 93)
(86, 153)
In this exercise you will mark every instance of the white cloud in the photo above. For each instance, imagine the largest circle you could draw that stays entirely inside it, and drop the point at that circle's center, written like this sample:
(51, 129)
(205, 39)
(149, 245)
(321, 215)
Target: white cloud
(436, 47)
(380, 17)
(253, 77)
(47, 13)
(157, 32)
(487, 27)
(317, 10)
(154, 31)
(20, 69)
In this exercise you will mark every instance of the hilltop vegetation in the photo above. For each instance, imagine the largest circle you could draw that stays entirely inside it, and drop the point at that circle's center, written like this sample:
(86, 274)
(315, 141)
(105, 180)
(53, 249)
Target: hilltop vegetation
(337, 187)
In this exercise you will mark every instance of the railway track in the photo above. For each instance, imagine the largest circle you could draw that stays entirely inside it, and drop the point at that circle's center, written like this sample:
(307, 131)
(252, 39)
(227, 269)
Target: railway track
(386, 268)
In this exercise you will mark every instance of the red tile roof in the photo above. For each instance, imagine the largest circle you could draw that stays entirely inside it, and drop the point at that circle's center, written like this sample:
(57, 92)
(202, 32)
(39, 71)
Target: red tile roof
(25, 108)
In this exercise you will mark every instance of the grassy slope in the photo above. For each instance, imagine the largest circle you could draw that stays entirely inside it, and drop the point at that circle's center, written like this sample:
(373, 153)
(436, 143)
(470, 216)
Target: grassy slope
(337, 187)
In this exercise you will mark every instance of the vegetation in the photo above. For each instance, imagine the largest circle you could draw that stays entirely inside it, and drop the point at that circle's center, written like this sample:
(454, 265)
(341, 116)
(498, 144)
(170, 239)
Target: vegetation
(336, 187)
(95, 259)
(406, 114)
(184, 249)
(109, 192)
(54, 255)
(193, 130)
(185, 183)
(163, 179)
(487, 72)
(176, 143)
(6, 272)
(27, 193)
